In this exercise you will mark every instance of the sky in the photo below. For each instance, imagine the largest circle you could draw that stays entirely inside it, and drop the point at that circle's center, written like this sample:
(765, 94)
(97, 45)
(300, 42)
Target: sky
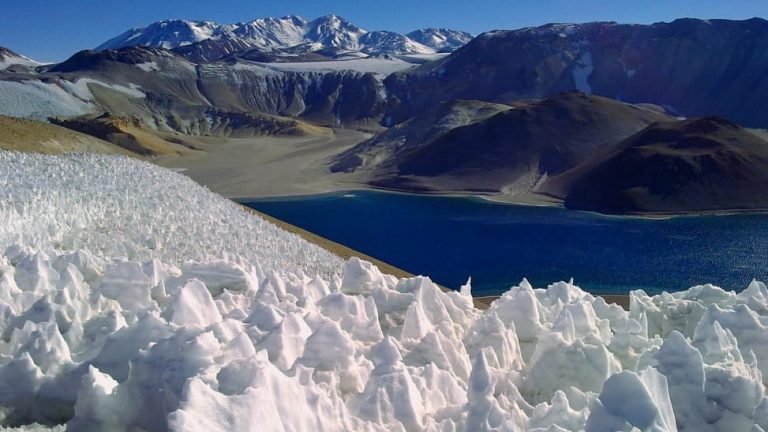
(52, 30)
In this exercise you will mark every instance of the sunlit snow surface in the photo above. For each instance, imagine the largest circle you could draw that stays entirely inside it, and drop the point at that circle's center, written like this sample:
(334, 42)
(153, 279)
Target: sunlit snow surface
(133, 299)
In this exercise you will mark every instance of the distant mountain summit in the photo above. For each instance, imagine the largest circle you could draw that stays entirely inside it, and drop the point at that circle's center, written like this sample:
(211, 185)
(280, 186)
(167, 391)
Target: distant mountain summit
(204, 41)
(440, 39)
(164, 34)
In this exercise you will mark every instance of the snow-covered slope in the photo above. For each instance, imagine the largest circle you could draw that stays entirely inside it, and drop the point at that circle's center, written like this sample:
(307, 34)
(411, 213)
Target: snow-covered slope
(120, 215)
(163, 34)
(133, 299)
(9, 58)
(291, 34)
(37, 100)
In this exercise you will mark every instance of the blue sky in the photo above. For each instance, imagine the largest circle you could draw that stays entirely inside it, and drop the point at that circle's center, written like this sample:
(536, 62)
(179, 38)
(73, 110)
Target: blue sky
(52, 30)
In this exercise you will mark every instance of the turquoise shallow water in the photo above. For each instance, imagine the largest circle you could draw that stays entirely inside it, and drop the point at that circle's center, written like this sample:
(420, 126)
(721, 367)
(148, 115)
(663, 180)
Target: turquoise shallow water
(450, 239)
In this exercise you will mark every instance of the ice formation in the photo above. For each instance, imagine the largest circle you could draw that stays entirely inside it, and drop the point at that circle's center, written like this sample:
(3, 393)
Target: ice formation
(133, 299)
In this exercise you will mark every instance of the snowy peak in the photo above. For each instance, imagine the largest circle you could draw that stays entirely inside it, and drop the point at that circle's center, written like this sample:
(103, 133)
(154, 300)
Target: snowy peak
(332, 31)
(269, 32)
(386, 42)
(9, 58)
(164, 34)
(440, 39)
(203, 41)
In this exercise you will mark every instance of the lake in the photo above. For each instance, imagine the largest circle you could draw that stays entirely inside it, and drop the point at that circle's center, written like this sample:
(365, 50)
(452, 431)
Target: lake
(451, 239)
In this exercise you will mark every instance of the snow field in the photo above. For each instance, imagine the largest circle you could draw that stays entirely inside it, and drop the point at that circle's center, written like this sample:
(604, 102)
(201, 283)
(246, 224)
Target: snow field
(379, 66)
(131, 298)
(38, 100)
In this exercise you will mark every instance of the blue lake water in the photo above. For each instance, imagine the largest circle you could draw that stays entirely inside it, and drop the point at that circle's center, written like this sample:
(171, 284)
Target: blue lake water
(450, 239)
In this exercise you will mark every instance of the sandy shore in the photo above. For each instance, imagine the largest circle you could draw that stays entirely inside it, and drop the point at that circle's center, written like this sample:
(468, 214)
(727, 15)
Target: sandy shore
(266, 166)
(243, 168)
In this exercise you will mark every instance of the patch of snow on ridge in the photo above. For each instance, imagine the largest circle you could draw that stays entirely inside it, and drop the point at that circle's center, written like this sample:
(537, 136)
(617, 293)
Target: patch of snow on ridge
(81, 89)
(375, 65)
(122, 303)
(583, 68)
(17, 60)
(148, 66)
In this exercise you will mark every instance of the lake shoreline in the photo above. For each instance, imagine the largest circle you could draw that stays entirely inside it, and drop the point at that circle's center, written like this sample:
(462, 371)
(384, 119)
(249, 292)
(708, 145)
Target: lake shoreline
(527, 200)
(481, 302)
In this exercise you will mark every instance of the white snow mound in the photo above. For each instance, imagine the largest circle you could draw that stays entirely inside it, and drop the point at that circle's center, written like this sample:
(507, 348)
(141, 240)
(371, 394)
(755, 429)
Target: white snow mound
(133, 299)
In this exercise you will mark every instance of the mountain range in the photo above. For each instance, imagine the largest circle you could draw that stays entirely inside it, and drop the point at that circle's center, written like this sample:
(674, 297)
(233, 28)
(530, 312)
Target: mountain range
(289, 36)
(498, 115)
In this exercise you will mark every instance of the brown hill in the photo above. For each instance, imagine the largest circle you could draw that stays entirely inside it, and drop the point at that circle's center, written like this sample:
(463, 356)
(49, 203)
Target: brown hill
(699, 165)
(508, 152)
(125, 132)
(34, 136)
(381, 152)
(134, 135)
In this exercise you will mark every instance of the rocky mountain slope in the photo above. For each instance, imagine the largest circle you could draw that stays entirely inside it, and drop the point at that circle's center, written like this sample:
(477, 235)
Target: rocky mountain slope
(168, 92)
(691, 67)
(695, 67)
(705, 164)
(380, 152)
(288, 36)
(482, 147)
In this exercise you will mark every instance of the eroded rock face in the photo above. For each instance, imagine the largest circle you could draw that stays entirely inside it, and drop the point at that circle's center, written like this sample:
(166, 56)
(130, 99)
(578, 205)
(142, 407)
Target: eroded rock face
(695, 67)
(167, 91)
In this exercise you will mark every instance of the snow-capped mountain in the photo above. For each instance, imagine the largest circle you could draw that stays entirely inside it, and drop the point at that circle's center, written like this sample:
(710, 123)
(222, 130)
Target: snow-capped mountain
(269, 32)
(164, 34)
(332, 31)
(384, 42)
(440, 39)
(9, 58)
(207, 41)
